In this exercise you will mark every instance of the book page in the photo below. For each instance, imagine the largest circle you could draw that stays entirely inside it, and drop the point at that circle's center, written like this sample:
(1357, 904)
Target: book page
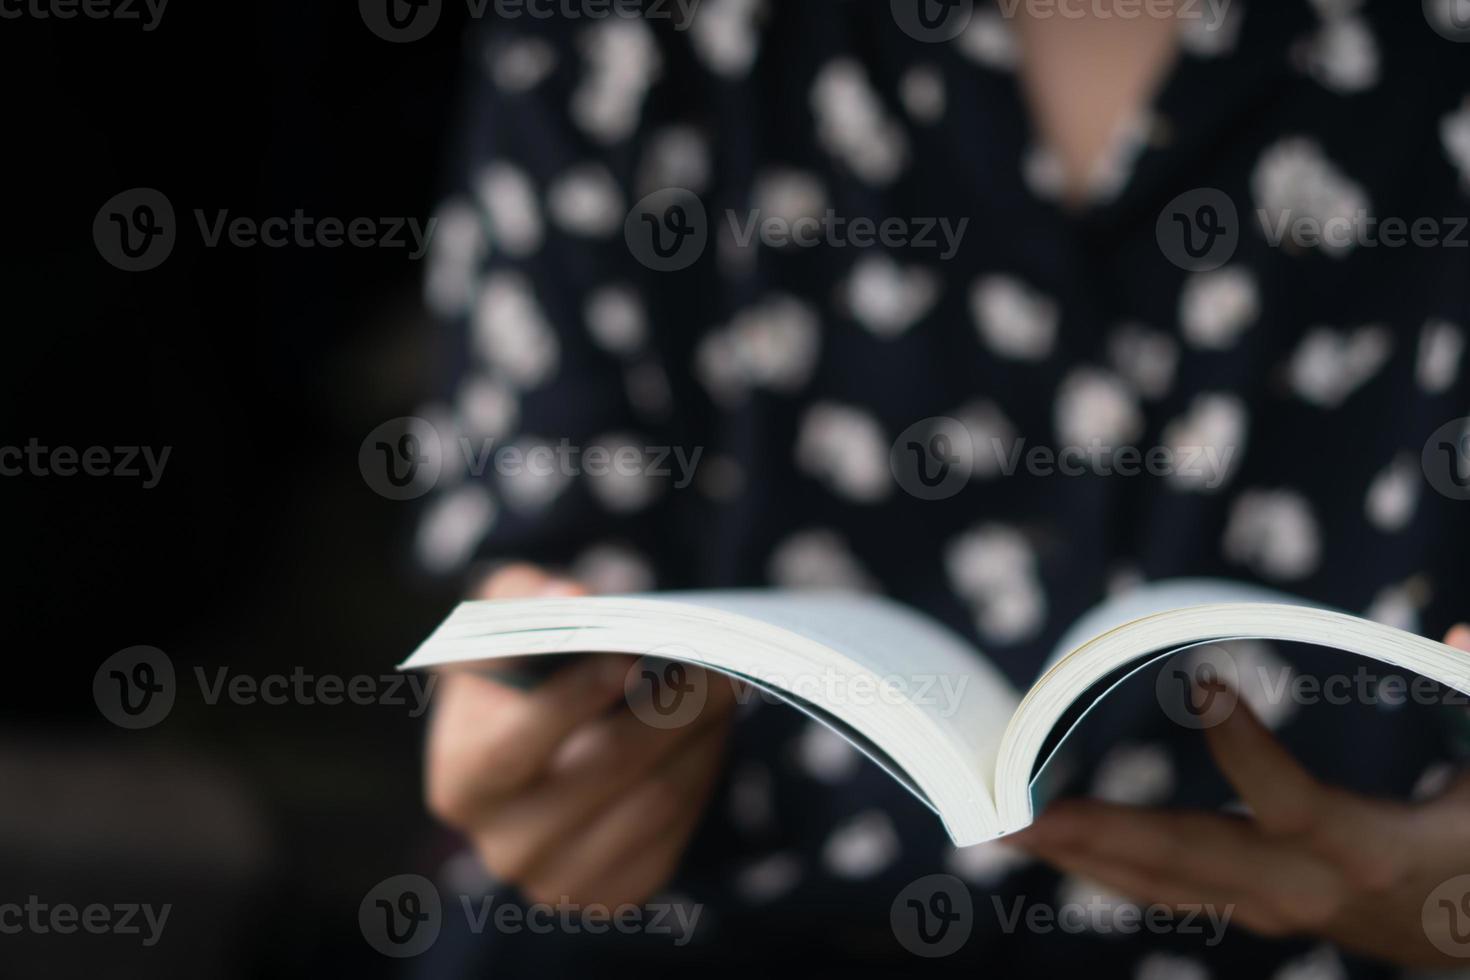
(1140, 640)
(1156, 597)
(958, 688)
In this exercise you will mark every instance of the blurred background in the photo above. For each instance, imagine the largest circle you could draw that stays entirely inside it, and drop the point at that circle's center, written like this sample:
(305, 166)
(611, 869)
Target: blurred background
(261, 549)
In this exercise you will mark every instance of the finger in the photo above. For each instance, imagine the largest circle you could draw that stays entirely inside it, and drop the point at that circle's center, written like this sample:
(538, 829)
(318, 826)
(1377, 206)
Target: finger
(1139, 885)
(588, 741)
(1458, 637)
(487, 739)
(568, 699)
(1204, 851)
(1360, 837)
(521, 581)
(650, 814)
(1221, 907)
(517, 834)
(1206, 848)
(1283, 797)
(635, 882)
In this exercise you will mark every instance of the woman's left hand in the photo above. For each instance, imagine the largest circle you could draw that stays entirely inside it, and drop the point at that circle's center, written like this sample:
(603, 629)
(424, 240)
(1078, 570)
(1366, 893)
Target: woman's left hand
(1309, 860)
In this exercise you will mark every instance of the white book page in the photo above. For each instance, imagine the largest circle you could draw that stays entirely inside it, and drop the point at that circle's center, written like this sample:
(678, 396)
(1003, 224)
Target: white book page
(1175, 627)
(1156, 597)
(957, 686)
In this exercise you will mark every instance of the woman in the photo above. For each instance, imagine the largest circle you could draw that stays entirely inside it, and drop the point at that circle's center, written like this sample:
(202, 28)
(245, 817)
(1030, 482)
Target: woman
(1102, 225)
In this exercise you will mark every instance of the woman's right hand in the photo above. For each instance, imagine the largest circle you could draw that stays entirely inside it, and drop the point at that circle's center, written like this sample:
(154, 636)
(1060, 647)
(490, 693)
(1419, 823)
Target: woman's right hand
(563, 792)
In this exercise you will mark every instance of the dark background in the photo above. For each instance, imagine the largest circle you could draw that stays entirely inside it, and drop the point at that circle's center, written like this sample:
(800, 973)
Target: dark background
(262, 548)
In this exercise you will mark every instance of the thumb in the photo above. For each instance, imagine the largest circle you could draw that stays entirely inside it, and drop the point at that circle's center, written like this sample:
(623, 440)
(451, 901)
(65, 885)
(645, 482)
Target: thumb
(1282, 795)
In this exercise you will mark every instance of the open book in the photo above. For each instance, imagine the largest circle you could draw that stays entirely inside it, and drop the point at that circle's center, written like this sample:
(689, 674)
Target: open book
(916, 698)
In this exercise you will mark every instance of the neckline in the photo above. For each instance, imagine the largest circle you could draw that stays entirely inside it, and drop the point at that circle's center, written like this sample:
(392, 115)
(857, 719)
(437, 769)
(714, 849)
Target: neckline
(1171, 131)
